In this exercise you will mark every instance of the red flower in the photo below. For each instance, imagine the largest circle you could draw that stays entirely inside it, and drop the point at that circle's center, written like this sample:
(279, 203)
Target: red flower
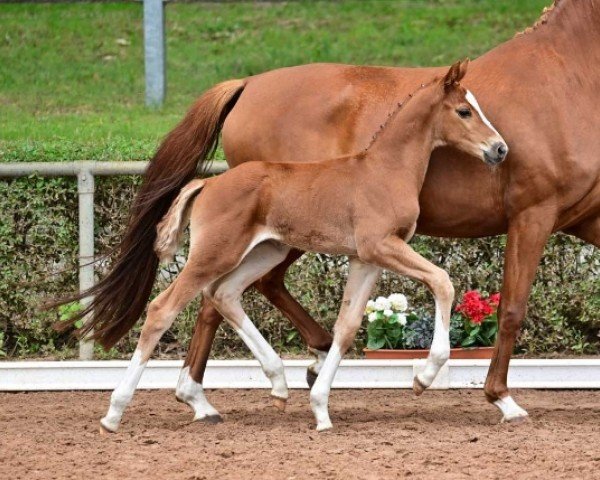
(494, 299)
(474, 307)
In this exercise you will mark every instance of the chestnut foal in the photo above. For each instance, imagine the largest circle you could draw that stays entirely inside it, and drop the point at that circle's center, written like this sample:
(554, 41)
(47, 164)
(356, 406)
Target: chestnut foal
(245, 222)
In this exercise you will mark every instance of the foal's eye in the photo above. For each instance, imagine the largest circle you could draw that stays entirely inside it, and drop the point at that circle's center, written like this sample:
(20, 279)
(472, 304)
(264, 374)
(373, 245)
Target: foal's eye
(464, 112)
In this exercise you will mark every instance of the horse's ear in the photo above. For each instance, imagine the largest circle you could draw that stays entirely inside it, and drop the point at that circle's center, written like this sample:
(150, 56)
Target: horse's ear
(456, 73)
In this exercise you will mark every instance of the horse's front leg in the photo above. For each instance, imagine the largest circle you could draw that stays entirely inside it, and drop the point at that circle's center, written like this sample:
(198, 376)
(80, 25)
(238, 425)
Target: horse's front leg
(527, 235)
(360, 283)
(393, 253)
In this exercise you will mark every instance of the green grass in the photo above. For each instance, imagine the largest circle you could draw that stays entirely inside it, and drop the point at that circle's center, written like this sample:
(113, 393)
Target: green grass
(72, 78)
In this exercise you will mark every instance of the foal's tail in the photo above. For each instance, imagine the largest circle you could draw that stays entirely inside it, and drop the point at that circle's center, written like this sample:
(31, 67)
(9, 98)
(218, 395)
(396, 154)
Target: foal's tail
(119, 299)
(170, 229)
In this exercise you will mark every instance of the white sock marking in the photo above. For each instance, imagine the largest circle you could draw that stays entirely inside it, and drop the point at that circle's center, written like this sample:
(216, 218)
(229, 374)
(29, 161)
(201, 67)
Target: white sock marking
(439, 352)
(269, 360)
(123, 394)
(319, 394)
(192, 393)
(510, 409)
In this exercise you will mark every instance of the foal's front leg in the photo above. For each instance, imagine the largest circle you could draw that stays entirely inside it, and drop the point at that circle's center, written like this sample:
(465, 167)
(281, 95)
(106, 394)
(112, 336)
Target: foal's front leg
(360, 283)
(393, 253)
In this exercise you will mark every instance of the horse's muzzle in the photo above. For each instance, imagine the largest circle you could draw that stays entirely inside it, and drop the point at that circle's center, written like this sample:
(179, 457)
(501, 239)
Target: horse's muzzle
(496, 153)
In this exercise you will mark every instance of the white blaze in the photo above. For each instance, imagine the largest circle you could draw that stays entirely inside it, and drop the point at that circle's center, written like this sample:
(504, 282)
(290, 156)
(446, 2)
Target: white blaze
(473, 101)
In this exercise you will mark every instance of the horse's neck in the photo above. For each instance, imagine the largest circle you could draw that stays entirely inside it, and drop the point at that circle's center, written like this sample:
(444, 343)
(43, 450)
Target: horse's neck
(404, 146)
(572, 27)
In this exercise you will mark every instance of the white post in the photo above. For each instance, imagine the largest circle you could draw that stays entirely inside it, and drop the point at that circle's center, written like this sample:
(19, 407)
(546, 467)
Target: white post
(154, 52)
(85, 190)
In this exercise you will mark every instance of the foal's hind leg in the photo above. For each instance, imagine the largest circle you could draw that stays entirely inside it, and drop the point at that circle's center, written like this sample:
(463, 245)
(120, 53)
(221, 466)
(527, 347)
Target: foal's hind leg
(272, 286)
(189, 387)
(161, 314)
(226, 295)
(395, 254)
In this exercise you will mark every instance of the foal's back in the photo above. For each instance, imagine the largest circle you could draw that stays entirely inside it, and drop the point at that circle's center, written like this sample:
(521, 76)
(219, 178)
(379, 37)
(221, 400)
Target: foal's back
(307, 205)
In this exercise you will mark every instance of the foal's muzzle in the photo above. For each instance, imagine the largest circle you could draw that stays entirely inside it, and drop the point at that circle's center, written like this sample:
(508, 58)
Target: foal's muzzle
(496, 153)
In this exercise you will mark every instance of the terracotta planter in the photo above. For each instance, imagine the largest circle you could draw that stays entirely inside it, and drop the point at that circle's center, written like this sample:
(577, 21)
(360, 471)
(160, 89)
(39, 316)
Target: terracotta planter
(464, 353)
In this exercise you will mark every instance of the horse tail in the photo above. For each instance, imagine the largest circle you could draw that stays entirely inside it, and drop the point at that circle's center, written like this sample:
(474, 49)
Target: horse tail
(119, 299)
(169, 231)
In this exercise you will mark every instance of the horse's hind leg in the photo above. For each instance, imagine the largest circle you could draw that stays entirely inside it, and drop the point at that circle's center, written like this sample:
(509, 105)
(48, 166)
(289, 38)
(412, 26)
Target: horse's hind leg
(226, 295)
(162, 311)
(272, 286)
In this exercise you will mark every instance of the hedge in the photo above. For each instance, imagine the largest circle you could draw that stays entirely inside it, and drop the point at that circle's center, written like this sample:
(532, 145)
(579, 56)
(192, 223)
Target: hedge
(38, 260)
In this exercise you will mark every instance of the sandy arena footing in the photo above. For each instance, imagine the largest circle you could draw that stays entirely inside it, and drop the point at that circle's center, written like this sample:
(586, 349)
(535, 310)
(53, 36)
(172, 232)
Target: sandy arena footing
(378, 434)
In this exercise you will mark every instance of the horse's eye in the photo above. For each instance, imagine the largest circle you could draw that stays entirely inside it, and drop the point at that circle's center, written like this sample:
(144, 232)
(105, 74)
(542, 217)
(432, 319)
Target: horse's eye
(464, 112)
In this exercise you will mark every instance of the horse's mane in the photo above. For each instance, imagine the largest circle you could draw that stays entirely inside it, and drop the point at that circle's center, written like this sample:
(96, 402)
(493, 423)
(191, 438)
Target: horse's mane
(546, 14)
(394, 112)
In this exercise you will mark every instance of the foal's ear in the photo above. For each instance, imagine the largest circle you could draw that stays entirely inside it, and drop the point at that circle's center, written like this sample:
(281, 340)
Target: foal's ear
(456, 73)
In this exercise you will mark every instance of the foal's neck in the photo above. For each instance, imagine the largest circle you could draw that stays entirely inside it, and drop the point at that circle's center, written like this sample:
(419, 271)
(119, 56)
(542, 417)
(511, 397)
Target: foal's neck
(405, 143)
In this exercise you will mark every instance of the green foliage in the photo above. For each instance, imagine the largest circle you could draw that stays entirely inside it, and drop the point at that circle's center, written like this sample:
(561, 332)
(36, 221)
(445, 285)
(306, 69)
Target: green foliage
(2, 350)
(385, 332)
(67, 311)
(480, 334)
(38, 260)
(419, 331)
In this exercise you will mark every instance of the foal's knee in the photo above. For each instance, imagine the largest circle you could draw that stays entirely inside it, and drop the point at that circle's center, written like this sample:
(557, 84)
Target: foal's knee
(442, 286)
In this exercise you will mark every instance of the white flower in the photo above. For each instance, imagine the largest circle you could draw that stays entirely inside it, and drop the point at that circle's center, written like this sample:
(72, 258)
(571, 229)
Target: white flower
(382, 303)
(402, 319)
(372, 316)
(398, 301)
(388, 312)
(370, 306)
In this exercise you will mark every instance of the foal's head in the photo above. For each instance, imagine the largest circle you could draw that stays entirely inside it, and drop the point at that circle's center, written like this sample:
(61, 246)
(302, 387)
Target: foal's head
(462, 124)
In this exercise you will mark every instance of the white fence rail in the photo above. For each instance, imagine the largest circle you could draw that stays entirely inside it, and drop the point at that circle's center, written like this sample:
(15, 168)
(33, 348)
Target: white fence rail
(104, 375)
(85, 171)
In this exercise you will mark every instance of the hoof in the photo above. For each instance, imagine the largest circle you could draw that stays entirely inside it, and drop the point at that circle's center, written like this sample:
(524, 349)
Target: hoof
(311, 377)
(517, 420)
(418, 387)
(279, 403)
(324, 427)
(210, 419)
(107, 428)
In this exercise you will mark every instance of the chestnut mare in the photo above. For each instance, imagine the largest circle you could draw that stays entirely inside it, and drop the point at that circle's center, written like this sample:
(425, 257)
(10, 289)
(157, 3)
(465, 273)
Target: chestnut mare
(244, 223)
(550, 183)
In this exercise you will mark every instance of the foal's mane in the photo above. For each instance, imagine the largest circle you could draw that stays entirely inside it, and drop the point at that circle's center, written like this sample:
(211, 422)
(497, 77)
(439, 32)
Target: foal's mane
(394, 112)
(547, 12)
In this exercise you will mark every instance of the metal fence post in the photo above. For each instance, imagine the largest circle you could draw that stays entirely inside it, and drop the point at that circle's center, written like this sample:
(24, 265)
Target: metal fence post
(154, 52)
(85, 191)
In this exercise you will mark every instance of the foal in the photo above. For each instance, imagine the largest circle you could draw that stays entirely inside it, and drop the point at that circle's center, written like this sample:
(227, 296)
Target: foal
(245, 221)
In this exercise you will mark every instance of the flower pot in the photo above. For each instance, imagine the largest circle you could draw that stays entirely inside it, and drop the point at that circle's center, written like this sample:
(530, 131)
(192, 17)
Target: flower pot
(455, 353)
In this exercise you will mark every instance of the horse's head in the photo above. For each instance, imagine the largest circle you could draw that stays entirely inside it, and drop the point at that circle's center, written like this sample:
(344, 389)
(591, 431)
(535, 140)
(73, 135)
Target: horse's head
(462, 124)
